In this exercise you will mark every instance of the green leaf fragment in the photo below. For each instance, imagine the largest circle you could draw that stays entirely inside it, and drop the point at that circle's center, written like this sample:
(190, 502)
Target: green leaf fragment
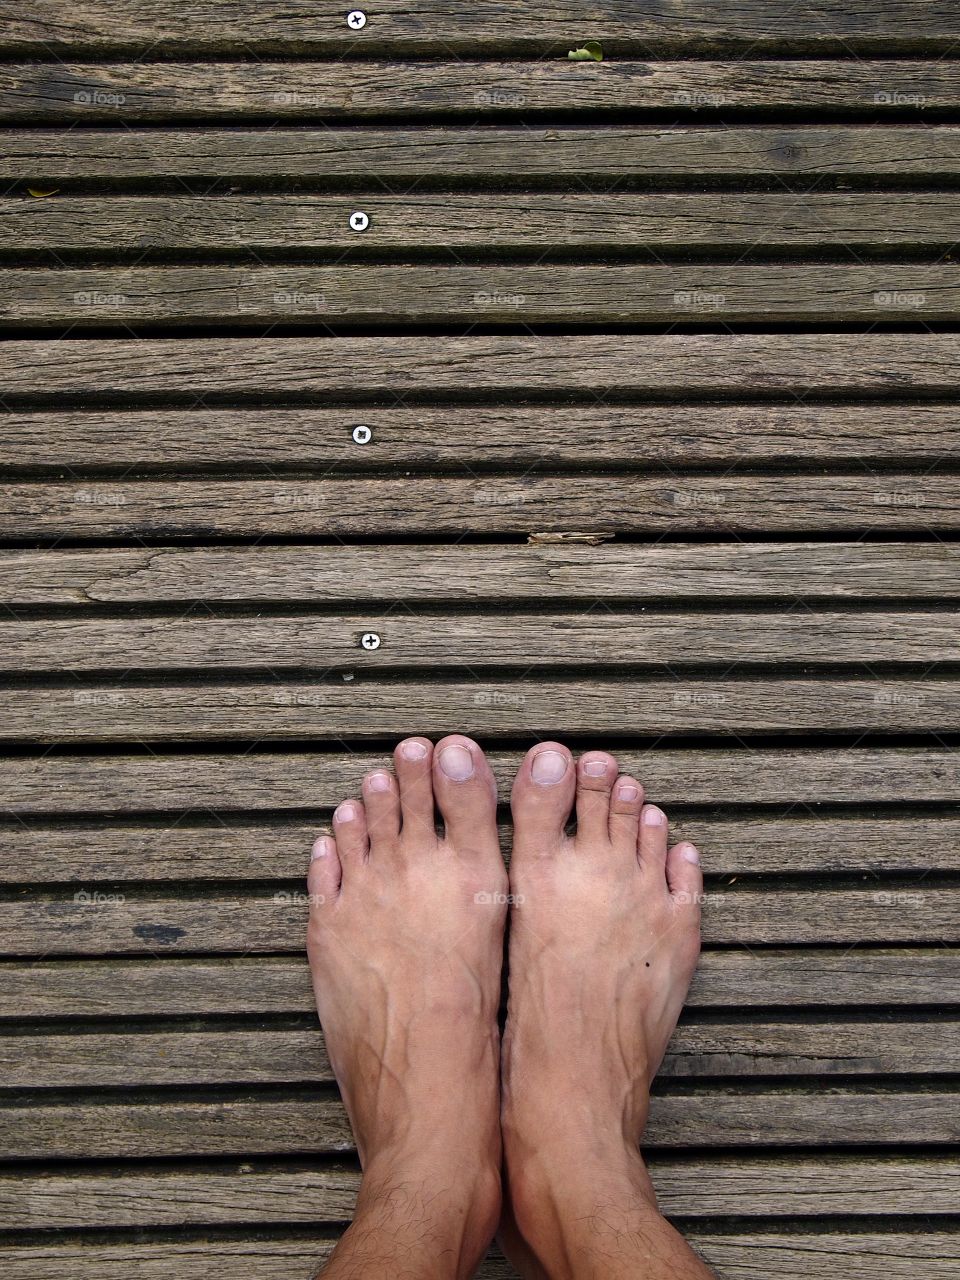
(590, 52)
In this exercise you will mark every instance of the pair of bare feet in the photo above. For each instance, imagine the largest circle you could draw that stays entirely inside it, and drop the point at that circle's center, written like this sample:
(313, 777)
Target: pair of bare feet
(406, 950)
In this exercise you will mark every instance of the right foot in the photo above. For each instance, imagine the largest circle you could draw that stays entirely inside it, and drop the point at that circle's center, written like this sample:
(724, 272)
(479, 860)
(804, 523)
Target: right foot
(604, 939)
(406, 946)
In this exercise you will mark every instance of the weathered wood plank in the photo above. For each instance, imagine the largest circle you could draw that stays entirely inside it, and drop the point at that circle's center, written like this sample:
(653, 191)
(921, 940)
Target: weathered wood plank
(451, 153)
(188, 1260)
(607, 294)
(107, 94)
(779, 846)
(739, 1186)
(313, 780)
(733, 1049)
(433, 435)
(313, 1126)
(90, 922)
(506, 366)
(480, 641)
(725, 221)
(385, 505)
(820, 571)
(857, 1256)
(174, 986)
(162, 28)
(823, 1254)
(364, 709)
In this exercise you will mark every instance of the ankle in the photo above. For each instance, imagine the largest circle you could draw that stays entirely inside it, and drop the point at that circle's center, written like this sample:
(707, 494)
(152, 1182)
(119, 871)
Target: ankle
(432, 1204)
(561, 1200)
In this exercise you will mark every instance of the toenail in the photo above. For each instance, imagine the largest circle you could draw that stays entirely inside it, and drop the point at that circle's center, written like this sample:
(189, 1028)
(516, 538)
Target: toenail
(548, 767)
(595, 768)
(345, 812)
(413, 751)
(627, 791)
(653, 817)
(690, 852)
(321, 848)
(456, 762)
(378, 782)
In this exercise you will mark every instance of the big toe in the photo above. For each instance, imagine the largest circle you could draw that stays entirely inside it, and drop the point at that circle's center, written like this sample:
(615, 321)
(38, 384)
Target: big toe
(542, 798)
(466, 795)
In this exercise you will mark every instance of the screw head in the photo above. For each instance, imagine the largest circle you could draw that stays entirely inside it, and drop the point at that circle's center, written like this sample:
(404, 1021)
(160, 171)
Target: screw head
(357, 19)
(359, 221)
(362, 435)
(370, 640)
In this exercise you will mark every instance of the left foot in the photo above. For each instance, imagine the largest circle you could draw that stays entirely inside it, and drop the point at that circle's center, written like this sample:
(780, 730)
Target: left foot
(406, 946)
(603, 943)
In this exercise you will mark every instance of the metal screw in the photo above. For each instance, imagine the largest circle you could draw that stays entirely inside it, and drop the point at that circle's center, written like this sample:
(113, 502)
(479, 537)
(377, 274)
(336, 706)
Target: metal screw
(362, 435)
(357, 19)
(370, 640)
(359, 221)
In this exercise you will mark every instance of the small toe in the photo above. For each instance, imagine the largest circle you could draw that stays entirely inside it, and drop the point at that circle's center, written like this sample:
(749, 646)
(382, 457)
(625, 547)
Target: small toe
(684, 874)
(412, 761)
(653, 839)
(625, 805)
(466, 794)
(596, 774)
(323, 876)
(350, 830)
(542, 798)
(381, 800)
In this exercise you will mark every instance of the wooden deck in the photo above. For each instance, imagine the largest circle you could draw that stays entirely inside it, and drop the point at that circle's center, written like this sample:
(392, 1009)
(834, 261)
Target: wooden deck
(656, 366)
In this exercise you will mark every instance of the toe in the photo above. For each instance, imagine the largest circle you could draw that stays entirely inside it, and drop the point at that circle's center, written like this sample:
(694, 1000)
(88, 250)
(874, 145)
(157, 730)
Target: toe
(466, 794)
(381, 800)
(596, 774)
(653, 839)
(323, 877)
(412, 762)
(542, 797)
(684, 875)
(350, 830)
(625, 805)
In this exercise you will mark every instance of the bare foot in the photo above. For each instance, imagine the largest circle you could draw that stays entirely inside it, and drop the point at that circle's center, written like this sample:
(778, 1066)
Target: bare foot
(406, 946)
(603, 944)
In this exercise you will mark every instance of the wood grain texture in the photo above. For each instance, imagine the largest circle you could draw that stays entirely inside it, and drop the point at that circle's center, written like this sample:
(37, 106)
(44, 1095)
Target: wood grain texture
(310, 1126)
(857, 1256)
(613, 222)
(163, 27)
(172, 986)
(699, 1187)
(485, 437)
(88, 922)
(383, 506)
(550, 294)
(792, 571)
(508, 152)
(481, 641)
(257, 1259)
(312, 780)
(506, 366)
(737, 846)
(367, 708)
(371, 89)
(736, 1049)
